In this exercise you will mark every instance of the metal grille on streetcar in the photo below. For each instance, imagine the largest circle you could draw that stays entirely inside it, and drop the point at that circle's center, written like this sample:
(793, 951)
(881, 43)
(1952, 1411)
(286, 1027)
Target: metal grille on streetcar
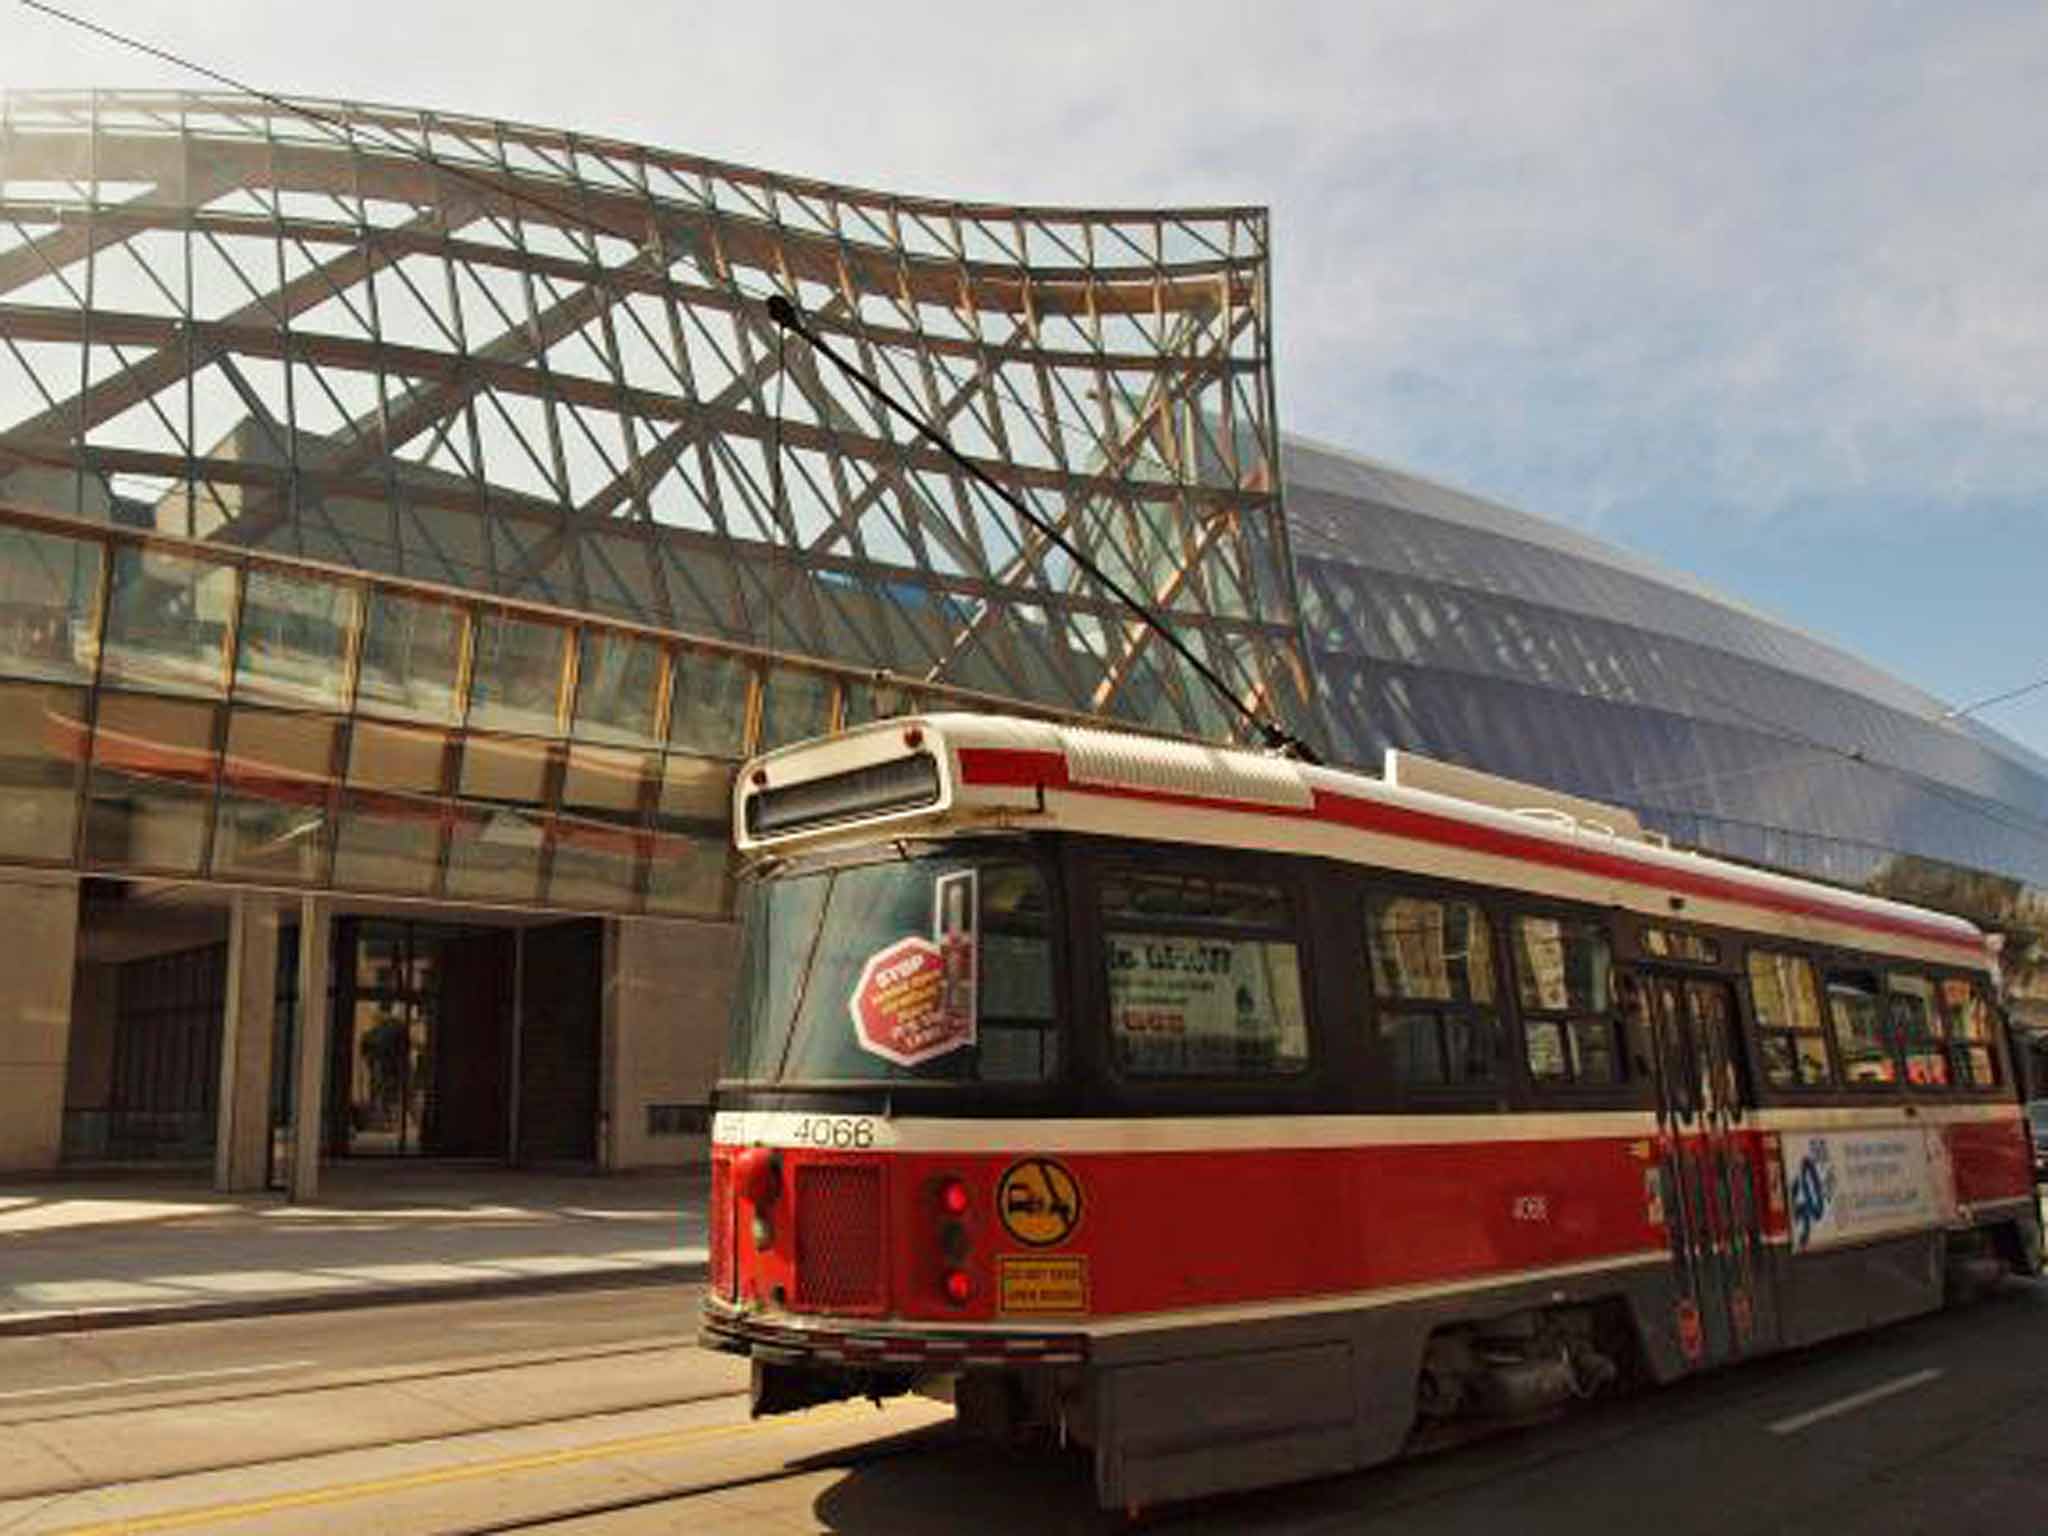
(839, 1237)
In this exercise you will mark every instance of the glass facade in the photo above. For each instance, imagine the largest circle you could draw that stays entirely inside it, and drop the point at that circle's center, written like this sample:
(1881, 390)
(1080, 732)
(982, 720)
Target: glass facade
(283, 725)
(1467, 631)
(302, 332)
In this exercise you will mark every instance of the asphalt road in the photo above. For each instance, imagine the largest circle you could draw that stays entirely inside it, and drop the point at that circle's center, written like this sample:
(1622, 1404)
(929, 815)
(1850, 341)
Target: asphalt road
(592, 1412)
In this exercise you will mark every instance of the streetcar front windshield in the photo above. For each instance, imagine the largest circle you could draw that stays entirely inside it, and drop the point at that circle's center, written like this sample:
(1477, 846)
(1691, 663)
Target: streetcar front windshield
(928, 969)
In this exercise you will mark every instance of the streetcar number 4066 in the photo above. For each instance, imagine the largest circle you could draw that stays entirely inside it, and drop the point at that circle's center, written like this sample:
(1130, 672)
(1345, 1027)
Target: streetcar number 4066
(842, 1133)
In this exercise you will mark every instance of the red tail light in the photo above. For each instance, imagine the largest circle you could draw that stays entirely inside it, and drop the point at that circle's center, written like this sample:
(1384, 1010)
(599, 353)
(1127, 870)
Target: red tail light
(955, 1243)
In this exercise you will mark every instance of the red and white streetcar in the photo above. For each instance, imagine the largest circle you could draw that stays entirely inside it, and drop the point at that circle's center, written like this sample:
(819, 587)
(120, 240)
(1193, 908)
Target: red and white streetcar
(1245, 1120)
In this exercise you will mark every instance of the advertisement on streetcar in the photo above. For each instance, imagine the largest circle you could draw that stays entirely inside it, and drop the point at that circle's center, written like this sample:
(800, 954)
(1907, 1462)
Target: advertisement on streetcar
(1846, 1186)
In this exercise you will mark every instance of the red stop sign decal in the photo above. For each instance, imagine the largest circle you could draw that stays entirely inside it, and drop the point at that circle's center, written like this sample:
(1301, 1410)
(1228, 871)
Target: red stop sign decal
(907, 1009)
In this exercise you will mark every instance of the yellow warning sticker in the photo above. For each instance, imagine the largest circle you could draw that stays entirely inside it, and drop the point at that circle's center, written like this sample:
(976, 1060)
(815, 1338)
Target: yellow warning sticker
(1039, 1201)
(1029, 1282)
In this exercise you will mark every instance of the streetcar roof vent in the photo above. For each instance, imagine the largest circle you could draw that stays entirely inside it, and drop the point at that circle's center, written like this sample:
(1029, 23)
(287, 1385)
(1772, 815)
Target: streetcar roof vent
(1128, 761)
(1414, 771)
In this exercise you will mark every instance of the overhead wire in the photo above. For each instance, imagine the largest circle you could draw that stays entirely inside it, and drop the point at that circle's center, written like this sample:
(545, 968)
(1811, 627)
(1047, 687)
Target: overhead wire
(1964, 710)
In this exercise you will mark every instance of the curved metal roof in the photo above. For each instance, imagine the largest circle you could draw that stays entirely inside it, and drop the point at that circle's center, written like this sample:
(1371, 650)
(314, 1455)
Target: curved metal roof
(1449, 624)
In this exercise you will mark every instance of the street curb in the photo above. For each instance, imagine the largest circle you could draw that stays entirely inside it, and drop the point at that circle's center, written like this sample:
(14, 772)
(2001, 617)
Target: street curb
(96, 1319)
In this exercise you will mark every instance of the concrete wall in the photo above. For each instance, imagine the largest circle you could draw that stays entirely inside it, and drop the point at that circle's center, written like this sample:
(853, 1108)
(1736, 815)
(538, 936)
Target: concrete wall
(39, 915)
(667, 989)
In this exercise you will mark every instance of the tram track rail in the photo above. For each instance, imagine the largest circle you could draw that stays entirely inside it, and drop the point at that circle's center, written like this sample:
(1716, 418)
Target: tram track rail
(200, 1395)
(363, 1490)
(850, 1460)
(497, 1425)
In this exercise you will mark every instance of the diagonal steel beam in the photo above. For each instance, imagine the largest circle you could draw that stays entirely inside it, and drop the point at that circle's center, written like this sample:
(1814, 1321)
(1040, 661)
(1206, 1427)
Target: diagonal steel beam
(165, 366)
(651, 466)
(1138, 636)
(378, 433)
(1167, 392)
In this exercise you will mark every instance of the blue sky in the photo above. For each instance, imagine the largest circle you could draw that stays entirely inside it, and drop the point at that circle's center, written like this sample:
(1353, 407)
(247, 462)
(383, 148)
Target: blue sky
(1758, 290)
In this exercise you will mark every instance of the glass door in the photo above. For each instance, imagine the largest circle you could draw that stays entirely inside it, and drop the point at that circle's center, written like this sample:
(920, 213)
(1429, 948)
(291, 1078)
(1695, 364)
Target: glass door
(387, 1042)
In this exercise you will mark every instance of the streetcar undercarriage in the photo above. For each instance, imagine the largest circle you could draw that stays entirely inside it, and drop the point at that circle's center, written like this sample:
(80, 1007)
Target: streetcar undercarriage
(1178, 1413)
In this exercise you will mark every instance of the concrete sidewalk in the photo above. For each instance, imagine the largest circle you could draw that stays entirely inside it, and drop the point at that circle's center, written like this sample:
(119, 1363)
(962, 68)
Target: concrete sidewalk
(101, 1252)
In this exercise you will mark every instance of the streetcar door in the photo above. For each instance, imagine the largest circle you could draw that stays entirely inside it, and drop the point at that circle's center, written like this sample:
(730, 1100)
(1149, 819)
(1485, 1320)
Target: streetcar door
(1709, 1183)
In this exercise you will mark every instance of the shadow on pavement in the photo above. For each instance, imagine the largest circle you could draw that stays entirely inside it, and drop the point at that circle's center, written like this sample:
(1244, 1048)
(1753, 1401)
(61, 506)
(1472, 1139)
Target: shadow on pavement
(943, 1485)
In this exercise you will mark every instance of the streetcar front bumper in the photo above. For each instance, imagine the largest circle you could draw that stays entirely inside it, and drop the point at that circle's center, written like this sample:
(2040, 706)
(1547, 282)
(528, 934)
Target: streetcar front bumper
(786, 1339)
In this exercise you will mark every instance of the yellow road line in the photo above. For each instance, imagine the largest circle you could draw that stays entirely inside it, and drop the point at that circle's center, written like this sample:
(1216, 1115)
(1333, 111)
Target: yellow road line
(342, 1493)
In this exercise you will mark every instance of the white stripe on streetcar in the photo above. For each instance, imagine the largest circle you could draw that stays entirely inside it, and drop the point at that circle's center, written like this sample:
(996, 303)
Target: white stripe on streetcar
(1855, 1400)
(825, 1130)
(1248, 1133)
(156, 1381)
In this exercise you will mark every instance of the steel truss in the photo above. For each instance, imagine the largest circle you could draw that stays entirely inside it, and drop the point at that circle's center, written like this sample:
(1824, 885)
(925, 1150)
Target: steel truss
(537, 364)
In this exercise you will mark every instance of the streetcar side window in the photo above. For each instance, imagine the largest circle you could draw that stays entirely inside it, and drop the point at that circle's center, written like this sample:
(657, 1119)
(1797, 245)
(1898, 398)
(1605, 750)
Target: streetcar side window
(1861, 1041)
(1916, 1025)
(1203, 977)
(1564, 978)
(1972, 1039)
(1788, 1020)
(1432, 969)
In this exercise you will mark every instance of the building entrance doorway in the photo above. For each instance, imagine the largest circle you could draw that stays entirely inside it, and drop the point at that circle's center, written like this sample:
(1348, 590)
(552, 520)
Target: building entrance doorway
(421, 1063)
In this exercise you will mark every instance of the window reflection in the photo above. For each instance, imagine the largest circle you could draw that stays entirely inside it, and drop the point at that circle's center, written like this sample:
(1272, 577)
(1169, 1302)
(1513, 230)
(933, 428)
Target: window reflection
(275, 783)
(795, 705)
(1917, 1027)
(510, 769)
(516, 683)
(494, 839)
(1426, 951)
(389, 836)
(293, 640)
(152, 783)
(687, 869)
(1861, 1044)
(618, 689)
(49, 589)
(598, 839)
(42, 739)
(1786, 999)
(168, 621)
(709, 714)
(412, 658)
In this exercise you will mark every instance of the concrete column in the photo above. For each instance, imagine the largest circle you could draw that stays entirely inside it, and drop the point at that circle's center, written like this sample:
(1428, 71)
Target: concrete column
(667, 996)
(611, 1093)
(39, 919)
(248, 1030)
(309, 1068)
